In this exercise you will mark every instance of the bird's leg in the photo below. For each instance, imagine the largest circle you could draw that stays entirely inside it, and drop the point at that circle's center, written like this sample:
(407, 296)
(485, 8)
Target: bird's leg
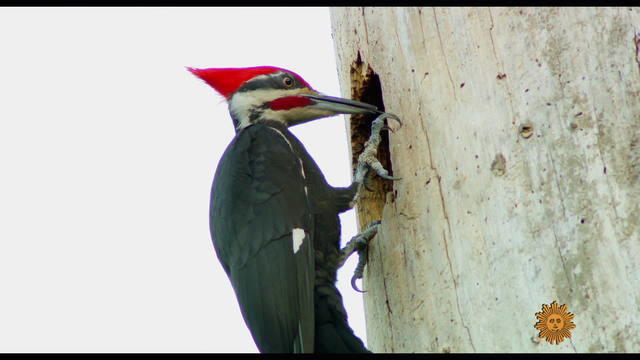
(359, 243)
(368, 159)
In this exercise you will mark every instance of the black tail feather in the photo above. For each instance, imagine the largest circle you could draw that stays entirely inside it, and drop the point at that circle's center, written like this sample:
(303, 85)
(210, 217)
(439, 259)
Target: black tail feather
(333, 333)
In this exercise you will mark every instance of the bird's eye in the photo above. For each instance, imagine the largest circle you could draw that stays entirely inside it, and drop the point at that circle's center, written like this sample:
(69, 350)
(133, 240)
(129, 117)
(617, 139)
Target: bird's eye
(288, 82)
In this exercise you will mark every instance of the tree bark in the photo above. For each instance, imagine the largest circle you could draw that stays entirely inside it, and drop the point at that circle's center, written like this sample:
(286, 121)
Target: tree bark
(520, 166)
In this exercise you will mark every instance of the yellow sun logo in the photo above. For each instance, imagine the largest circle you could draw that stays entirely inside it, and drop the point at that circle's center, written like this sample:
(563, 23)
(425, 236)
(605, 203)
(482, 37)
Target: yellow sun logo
(554, 323)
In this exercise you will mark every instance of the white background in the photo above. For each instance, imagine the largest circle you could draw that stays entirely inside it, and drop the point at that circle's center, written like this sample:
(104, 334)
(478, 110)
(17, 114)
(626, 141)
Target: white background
(107, 152)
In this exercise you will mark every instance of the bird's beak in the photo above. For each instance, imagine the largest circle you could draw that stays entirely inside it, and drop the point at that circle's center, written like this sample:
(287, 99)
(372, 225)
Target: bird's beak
(340, 105)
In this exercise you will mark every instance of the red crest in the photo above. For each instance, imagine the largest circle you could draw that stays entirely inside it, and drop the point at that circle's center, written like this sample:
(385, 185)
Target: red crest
(227, 81)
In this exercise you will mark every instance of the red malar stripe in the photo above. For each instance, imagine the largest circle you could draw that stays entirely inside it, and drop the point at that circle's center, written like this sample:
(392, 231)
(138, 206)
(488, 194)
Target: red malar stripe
(289, 102)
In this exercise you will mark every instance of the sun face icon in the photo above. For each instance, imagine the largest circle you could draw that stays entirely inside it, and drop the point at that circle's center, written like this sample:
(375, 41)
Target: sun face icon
(554, 323)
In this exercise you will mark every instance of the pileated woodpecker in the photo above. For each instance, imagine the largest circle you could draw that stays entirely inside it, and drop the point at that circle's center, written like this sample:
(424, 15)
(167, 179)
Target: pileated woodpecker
(274, 218)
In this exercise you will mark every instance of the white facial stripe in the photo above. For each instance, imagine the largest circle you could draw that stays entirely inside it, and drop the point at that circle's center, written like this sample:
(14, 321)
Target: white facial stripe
(242, 103)
(298, 236)
(297, 115)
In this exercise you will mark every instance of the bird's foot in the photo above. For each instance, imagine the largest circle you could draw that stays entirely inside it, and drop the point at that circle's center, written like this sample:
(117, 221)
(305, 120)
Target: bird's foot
(368, 158)
(359, 243)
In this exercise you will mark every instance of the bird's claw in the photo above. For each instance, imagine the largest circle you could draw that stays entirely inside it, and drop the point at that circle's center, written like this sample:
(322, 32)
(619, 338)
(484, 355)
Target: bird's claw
(393, 178)
(360, 244)
(391, 116)
(354, 285)
(358, 273)
(367, 158)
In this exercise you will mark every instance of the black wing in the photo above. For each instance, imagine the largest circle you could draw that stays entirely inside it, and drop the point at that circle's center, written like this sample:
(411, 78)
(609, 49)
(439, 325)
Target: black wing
(258, 199)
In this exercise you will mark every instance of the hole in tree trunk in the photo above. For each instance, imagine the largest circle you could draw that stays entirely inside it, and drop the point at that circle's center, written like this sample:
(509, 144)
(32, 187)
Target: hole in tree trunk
(365, 87)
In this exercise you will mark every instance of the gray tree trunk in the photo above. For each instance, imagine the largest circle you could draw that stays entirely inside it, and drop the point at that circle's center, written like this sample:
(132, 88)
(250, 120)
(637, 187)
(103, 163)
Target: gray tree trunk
(520, 166)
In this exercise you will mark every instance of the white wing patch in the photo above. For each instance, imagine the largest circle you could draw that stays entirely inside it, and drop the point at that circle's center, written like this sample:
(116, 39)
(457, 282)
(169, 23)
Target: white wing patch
(298, 236)
(297, 233)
